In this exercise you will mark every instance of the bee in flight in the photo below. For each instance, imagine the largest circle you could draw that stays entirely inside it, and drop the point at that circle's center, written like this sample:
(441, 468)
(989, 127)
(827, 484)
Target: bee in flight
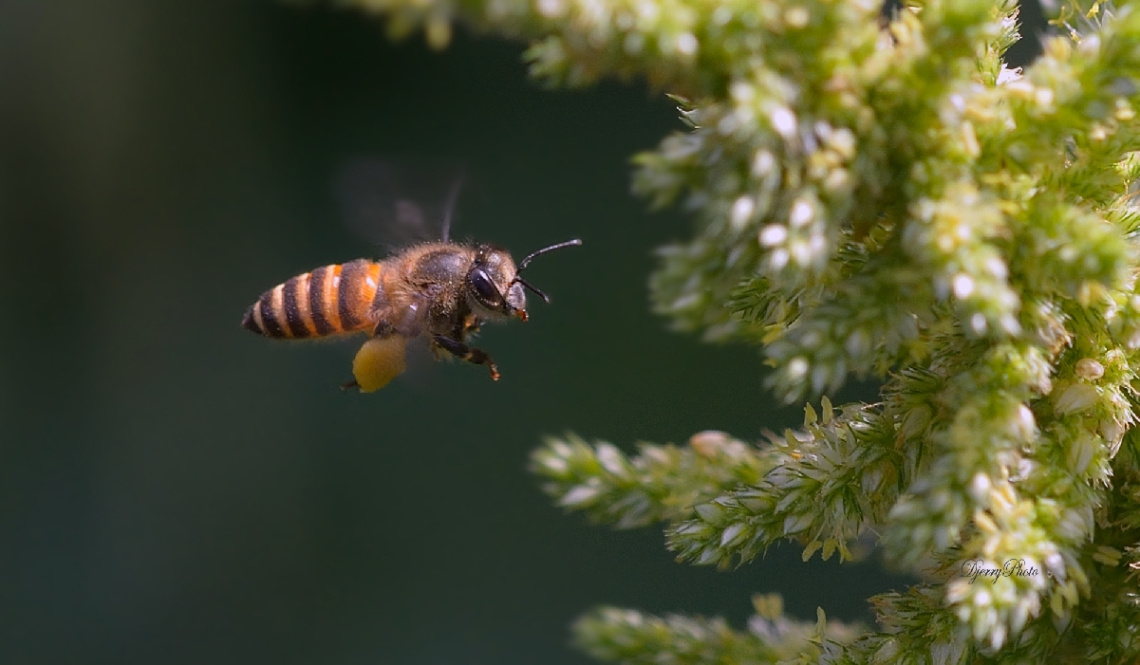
(443, 291)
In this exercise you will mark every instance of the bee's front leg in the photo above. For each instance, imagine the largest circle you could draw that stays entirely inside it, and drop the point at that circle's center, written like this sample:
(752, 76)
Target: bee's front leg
(468, 353)
(470, 326)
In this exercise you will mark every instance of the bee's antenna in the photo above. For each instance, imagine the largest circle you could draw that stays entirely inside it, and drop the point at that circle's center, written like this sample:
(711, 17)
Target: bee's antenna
(532, 287)
(526, 261)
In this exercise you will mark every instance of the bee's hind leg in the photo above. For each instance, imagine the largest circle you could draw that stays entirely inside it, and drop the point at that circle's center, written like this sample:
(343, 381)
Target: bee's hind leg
(469, 353)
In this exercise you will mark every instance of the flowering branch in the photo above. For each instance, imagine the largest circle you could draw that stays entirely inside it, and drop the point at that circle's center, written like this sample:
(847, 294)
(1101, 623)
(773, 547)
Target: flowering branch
(883, 197)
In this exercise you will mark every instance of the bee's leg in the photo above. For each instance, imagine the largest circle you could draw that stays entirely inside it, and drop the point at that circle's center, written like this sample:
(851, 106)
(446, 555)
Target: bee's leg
(468, 353)
(350, 385)
(470, 326)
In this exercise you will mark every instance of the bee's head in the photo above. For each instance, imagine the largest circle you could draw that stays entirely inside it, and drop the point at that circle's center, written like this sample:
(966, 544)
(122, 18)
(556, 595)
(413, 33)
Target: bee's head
(493, 283)
(491, 287)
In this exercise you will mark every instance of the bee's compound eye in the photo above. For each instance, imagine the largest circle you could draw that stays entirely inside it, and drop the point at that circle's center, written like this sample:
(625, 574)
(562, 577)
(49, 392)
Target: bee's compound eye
(484, 289)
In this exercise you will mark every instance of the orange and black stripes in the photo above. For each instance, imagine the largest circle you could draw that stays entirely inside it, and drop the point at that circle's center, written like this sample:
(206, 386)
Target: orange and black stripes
(297, 311)
(350, 293)
(329, 300)
(320, 294)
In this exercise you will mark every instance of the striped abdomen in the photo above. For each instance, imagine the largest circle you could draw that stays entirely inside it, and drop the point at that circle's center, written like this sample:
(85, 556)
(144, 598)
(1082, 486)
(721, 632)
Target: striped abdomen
(329, 300)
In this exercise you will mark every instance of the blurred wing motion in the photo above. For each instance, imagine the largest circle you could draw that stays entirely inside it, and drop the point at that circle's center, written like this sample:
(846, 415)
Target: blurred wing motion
(397, 204)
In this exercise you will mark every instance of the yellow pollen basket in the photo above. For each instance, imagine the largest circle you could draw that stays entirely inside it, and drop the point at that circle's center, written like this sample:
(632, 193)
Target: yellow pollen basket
(379, 361)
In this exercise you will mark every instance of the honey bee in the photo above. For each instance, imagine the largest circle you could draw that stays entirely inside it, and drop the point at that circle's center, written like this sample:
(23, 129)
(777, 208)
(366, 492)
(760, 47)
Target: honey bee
(443, 291)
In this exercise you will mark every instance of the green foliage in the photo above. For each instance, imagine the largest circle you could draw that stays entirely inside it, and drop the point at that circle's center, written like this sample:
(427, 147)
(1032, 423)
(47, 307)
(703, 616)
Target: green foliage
(883, 198)
(663, 483)
(626, 636)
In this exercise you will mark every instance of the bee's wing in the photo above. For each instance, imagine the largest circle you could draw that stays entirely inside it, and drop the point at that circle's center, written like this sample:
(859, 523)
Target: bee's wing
(398, 203)
(400, 307)
(413, 321)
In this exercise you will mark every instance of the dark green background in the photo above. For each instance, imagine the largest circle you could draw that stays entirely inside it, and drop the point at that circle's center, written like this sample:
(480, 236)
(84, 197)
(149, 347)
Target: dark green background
(175, 489)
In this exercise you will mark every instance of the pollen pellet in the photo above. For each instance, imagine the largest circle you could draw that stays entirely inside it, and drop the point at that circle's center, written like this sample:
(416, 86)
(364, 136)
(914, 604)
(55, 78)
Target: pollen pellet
(379, 361)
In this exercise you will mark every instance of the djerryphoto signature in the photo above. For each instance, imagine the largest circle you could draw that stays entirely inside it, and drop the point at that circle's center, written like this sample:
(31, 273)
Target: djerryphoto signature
(976, 568)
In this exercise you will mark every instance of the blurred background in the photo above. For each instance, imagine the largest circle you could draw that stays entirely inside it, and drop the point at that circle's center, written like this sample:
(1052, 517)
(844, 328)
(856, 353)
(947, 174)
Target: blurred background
(176, 489)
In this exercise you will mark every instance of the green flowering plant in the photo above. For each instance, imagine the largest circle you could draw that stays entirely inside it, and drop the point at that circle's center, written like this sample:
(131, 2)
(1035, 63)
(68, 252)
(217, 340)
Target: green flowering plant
(876, 194)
